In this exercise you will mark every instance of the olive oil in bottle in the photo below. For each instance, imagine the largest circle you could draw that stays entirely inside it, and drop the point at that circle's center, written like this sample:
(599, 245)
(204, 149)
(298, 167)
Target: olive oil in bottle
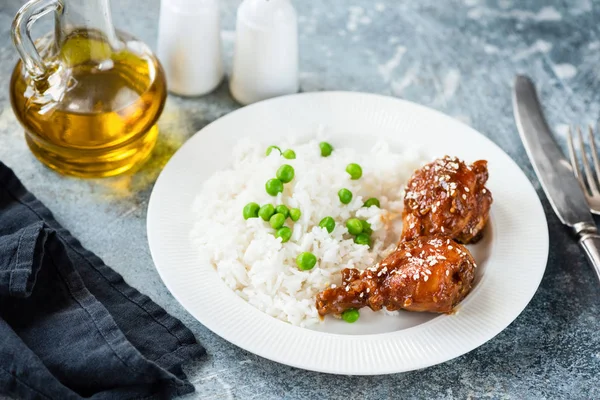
(93, 110)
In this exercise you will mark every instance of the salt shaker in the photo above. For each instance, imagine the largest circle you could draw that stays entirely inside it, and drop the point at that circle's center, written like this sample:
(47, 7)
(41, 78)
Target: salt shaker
(189, 46)
(265, 61)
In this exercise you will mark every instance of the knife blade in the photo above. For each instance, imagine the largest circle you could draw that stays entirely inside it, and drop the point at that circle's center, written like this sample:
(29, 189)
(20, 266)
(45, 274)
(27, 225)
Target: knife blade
(550, 165)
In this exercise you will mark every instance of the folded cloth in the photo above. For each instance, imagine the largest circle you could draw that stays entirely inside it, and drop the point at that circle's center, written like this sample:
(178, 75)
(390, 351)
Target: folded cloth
(70, 327)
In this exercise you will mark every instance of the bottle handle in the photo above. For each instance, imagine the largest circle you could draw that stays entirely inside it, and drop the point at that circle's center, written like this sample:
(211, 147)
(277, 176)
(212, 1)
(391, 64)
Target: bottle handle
(21, 34)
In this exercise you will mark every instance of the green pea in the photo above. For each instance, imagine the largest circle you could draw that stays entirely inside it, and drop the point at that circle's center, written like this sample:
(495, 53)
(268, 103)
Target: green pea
(372, 202)
(295, 214)
(284, 233)
(289, 154)
(354, 170)
(354, 226)
(266, 212)
(351, 315)
(306, 261)
(274, 186)
(345, 196)
(271, 148)
(285, 173)
(366, 227)
(327, 223)
(281, 209)
(326, 149)
(251, 210)
(363, 238)
(277, 220)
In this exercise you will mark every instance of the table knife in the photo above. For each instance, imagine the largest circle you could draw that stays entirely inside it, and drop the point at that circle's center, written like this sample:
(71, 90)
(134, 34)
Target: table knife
(554, 170)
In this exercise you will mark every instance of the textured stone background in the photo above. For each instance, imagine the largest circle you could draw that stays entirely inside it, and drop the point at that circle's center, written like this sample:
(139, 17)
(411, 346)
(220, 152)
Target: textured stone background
(459, 57)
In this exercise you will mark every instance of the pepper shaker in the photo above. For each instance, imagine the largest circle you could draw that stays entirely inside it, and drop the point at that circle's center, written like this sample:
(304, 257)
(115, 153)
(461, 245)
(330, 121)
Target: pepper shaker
(265, 62)
(189, 46)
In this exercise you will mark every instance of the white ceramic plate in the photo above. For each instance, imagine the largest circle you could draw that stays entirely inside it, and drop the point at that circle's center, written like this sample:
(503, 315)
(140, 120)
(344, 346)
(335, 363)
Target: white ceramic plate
(511, 258)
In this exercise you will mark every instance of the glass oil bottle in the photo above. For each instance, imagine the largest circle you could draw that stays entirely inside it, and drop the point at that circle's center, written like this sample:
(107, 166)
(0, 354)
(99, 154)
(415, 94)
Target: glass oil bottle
(87, 95)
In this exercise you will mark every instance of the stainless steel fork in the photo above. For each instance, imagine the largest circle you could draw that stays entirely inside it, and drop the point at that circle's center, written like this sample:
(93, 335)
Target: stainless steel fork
(590, 182)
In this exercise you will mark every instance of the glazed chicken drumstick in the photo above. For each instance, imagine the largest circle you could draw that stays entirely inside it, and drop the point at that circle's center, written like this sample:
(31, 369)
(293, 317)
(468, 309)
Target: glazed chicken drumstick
(447, 197)
(425, 274)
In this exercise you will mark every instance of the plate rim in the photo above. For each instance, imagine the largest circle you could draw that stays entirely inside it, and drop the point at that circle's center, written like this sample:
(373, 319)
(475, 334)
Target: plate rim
(544, 237)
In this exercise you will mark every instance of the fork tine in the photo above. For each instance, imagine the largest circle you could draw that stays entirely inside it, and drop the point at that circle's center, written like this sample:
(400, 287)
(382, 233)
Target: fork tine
(573, 157)
(594, 153)
(586, 166)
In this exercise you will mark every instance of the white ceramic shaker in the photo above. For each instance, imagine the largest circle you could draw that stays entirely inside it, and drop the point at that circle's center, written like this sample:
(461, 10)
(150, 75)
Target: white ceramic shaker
(189, 46)
(265, 61)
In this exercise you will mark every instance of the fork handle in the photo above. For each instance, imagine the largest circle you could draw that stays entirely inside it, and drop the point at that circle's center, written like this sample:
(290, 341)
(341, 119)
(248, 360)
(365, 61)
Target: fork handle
(591, 244)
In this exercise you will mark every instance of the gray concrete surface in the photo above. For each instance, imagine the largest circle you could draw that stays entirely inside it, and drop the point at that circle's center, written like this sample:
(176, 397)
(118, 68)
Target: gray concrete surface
(459, 57)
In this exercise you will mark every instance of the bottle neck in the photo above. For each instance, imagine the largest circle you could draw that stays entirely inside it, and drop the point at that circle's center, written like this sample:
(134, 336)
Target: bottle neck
(90, 18)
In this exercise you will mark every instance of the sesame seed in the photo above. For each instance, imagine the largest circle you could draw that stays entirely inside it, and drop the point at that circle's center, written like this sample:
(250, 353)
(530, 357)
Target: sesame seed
(467, 189)
(428, 271)
(416, 276)
(368, 290)
(333, 285)
(426, 278)
(464, 196)
(361, 295)
(442, 229)
(484, 191)
(347, 288)
(447, 272)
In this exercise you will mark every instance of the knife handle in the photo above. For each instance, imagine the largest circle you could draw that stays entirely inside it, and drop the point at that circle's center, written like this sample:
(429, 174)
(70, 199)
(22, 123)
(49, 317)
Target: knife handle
(591, 244)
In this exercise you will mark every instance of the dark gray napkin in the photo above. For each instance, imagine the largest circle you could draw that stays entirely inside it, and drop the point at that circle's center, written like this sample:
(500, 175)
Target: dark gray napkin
(70, 327)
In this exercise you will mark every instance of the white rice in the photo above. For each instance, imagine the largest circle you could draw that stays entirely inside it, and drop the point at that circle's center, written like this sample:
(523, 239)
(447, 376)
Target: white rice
(261, 269)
